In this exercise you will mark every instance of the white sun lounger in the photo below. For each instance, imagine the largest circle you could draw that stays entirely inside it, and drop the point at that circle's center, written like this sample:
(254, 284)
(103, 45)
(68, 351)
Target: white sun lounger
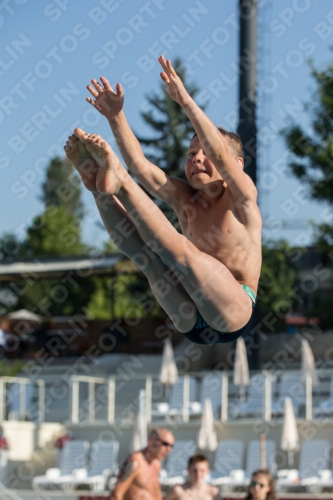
(103, 464)
(175, 406)
(240, 477)
(229, 457)
(211, 388)
(290, 386)
(314, 457)
(325, 408)
(74, 455)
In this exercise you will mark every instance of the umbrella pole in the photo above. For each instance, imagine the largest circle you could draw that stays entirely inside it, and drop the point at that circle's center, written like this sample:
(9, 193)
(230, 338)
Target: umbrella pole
(241, 393)
(263, 459)
(290, 459)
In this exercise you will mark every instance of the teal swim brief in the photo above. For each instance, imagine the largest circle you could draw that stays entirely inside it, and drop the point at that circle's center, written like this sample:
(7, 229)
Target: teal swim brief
(250, 293)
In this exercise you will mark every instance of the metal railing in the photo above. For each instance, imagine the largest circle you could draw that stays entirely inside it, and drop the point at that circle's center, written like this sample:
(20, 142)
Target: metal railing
(92, 381)
(22, 383)
(113, 399)
(228, 396)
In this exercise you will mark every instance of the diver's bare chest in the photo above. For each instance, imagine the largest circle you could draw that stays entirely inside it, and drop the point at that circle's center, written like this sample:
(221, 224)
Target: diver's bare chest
(220, 225)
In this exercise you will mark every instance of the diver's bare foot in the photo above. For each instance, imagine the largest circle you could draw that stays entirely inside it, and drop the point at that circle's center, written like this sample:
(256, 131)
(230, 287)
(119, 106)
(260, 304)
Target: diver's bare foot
(110, 173)
(82, 160)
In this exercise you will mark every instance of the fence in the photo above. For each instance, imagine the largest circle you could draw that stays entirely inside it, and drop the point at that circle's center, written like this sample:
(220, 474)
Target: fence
(18, 401)
(114, 399)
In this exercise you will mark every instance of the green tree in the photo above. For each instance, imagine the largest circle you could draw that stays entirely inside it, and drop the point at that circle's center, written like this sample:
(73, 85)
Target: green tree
(312, 163)
(278, 278)
(123, 295)
(55, 297)
(312, 149)
(11, 247)
(10, 368)
(62, 187)
(55, 232)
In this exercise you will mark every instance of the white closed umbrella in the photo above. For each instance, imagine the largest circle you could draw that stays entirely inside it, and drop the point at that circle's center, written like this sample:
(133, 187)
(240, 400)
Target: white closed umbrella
(308, 363)
(207, 439)
(169, 372)
(24, 315)
(241, 368)
(139, 436)
(290, 438)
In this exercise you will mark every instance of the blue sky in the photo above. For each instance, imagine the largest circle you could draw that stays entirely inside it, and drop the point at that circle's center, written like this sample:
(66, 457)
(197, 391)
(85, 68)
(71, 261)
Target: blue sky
(51, 50)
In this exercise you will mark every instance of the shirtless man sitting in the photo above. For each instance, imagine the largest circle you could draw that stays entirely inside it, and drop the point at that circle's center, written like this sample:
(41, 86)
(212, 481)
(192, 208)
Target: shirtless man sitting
(205, 279)
(139, 474)
(196, 488)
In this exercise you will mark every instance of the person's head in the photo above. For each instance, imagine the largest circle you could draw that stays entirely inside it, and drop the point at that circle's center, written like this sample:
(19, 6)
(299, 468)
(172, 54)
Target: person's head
(4, 324)
(160, 443)
(261, 486)
(198, 468)
(199, 169)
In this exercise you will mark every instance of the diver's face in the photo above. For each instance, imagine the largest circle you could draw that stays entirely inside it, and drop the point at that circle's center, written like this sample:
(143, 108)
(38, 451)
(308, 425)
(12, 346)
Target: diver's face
(199, 169)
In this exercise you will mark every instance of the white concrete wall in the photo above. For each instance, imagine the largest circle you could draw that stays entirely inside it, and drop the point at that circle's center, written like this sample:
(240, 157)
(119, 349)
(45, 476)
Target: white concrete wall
(22, 439)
